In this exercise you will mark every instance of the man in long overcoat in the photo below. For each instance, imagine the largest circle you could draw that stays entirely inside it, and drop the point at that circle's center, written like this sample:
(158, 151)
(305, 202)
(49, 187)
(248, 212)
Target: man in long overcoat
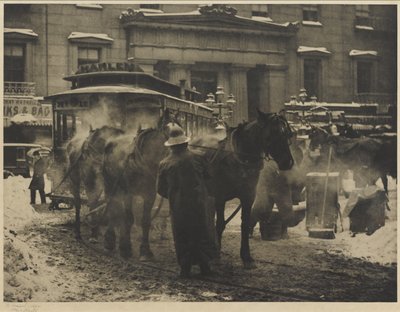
(181, 179)
(37, 183)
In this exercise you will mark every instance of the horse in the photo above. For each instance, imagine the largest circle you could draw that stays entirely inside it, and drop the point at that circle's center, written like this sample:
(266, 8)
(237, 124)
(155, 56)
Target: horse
(130, 170)
(235, 163)
(370, 158)
(84, 167)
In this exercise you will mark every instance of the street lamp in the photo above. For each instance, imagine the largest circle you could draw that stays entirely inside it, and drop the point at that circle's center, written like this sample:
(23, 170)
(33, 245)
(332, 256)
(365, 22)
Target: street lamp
(217, 102)
(303, 97)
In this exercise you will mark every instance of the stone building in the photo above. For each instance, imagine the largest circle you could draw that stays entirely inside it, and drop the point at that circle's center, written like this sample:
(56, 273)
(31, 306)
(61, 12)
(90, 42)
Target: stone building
(263, 54)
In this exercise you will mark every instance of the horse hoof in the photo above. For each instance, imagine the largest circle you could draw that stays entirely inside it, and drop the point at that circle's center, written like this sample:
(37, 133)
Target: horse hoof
(126, 254)
(92, 240)
(109, 246)
(146, 256)
(249, 265)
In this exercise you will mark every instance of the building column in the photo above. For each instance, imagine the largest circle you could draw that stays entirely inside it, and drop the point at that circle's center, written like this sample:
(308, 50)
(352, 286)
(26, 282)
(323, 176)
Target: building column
(147, 65)
(238, 87)
(179, 72)
(276, 87)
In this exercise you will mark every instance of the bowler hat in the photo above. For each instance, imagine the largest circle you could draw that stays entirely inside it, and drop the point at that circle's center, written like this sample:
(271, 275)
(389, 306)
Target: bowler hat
(176, 136)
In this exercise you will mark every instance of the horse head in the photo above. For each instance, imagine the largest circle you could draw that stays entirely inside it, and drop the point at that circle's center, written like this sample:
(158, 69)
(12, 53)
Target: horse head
(275, 138)
(318, 137)
(167, 119)
(98, 138)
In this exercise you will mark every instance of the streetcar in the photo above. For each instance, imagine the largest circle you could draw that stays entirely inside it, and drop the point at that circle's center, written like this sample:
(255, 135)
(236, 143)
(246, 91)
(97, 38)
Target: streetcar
(120, 95)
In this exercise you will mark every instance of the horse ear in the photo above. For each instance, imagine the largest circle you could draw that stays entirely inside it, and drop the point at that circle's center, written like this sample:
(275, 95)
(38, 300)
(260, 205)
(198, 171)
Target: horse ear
(139, 128)
(261, 115)
(90, 128)
(166, 112)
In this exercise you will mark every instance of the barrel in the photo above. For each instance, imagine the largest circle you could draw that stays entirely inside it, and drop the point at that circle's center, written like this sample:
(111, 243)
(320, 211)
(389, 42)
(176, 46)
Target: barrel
(271, 230)
(320, 216)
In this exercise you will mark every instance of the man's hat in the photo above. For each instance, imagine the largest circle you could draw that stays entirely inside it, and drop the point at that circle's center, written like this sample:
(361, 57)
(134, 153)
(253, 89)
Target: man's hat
(176, 136)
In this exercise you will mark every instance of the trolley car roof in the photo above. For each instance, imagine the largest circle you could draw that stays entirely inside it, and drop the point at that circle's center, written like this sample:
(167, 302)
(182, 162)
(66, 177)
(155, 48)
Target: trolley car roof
(120, 89)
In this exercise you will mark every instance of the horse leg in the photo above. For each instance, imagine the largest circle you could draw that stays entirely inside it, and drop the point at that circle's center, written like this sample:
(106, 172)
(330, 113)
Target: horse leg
(220, 222)
(145, 251)
(93, 201)
(126, 223)
(248, 261)
(384, 179)
(75, 184)
(113, 206)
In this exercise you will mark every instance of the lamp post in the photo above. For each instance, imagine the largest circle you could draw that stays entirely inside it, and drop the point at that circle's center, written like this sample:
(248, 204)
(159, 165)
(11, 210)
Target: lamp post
(303, 97)
(217, 103)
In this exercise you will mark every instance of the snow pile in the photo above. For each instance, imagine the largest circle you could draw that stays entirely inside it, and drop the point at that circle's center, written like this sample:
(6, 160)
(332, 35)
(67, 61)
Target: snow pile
(26, 275)
(380, 247)
(17, 210)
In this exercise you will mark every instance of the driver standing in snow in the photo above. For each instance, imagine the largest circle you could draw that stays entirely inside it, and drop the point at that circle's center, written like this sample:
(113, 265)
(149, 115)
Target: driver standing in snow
(37, 183)
(181, 179)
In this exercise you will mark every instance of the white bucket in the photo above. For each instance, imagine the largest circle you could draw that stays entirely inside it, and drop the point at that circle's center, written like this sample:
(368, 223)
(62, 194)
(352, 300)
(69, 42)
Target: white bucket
(348, 185)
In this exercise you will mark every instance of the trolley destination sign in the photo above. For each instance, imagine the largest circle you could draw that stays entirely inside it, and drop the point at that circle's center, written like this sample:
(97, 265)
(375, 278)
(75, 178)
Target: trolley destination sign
(73, 103)
(99, 67)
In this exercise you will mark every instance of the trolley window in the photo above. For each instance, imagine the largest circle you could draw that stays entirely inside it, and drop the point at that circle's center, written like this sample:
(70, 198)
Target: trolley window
(189, 119)
(65, 127)
(20, 153)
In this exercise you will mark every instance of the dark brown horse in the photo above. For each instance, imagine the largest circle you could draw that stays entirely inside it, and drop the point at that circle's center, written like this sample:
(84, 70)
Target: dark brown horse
(236, 163)
(369, 158)
(85, 164)
(130, 170)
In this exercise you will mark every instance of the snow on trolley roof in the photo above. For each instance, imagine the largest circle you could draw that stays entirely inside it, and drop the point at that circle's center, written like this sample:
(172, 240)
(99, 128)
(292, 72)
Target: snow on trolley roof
(121, 89)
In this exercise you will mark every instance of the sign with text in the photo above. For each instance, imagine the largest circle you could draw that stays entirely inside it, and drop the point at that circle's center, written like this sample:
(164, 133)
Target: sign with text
(13, 106)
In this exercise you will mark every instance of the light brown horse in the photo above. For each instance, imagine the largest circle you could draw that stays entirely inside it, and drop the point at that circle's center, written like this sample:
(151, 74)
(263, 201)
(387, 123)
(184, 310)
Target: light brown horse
(130, 170)
(84, 169)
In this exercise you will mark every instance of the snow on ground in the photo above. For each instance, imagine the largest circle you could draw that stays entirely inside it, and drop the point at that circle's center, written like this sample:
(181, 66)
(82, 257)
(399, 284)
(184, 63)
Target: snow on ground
(380, 247)
(17, 210)
(26, 273)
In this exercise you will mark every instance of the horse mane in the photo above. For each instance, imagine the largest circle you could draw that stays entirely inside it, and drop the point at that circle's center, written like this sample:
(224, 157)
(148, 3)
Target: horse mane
(139, 139)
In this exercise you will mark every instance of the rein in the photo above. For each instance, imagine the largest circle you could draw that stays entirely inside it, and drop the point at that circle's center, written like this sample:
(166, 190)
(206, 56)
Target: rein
(97, 160)
(138, 156)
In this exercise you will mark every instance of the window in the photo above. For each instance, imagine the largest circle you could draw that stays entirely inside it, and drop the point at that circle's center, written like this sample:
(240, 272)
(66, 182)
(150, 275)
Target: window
(65, 127)
(204, 82)
(14, 62)
(88, 56)
(150, 6)
(20, 153)
(364, 77)
(362, 15)
(310, 13)
(312, 75)
(259, 10)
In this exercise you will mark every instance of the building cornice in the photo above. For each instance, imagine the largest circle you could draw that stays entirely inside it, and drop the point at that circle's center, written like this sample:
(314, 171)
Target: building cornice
(213, 18)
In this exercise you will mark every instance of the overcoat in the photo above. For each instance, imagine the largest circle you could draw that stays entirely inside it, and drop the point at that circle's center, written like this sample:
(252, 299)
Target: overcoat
(39, 169)
(181, 179)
